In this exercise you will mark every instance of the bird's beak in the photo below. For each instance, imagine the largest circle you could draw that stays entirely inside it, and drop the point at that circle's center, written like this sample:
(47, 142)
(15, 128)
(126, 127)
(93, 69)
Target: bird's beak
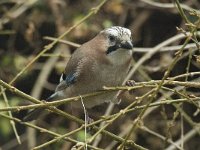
(126, 45)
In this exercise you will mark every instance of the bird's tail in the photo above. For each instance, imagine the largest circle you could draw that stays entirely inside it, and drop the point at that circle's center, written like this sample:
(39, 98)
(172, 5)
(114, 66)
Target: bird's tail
(34, 114)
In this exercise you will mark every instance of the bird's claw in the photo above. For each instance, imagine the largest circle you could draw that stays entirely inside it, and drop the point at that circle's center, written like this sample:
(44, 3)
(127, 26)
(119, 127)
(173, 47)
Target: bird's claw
(130, 83)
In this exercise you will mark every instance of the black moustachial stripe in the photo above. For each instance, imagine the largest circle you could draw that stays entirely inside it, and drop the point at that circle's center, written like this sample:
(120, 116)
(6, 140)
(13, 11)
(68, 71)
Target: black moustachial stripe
(111, 49)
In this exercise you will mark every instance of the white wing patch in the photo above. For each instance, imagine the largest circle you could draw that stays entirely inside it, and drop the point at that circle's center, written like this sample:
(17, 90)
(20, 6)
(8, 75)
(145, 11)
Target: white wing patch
(61, 77)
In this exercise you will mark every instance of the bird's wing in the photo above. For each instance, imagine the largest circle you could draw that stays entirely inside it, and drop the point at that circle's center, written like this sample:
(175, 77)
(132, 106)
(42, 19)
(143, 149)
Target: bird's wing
(75, 66)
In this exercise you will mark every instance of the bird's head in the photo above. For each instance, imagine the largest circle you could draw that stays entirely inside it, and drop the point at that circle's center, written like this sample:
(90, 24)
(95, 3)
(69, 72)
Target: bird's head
(117, 37)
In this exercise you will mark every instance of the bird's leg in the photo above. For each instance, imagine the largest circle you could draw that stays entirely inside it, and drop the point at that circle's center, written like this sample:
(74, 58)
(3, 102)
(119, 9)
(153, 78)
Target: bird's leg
(130, 83)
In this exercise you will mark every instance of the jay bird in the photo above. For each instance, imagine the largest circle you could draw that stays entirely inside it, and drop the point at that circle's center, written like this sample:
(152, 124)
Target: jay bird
(103, 61)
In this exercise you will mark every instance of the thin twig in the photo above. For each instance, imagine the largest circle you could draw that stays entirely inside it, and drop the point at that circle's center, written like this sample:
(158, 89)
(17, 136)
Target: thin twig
(153, 96)
(106, 89)
(159, 136)
(64, 114)
(58, 138)
(168, 5)
(10, 114)
(49, 46)
(136, 49)
(43, 130)
(67, 134)
(86, 117)
(107, 113)
(187, 136)
(149, 54)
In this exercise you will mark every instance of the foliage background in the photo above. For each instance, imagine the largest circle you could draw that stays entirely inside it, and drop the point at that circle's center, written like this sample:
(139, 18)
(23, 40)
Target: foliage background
(24, 28)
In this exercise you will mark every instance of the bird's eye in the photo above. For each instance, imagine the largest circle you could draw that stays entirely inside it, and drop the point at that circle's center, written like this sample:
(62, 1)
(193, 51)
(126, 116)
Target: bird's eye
(111, 38)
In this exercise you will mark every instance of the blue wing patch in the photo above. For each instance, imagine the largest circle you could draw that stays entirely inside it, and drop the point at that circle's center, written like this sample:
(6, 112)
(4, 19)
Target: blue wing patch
(69, 78)
(66, 81)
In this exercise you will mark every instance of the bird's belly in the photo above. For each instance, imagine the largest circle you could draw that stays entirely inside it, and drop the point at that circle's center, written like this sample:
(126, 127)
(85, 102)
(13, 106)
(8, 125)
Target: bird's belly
(109, 76)
(92, 101)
